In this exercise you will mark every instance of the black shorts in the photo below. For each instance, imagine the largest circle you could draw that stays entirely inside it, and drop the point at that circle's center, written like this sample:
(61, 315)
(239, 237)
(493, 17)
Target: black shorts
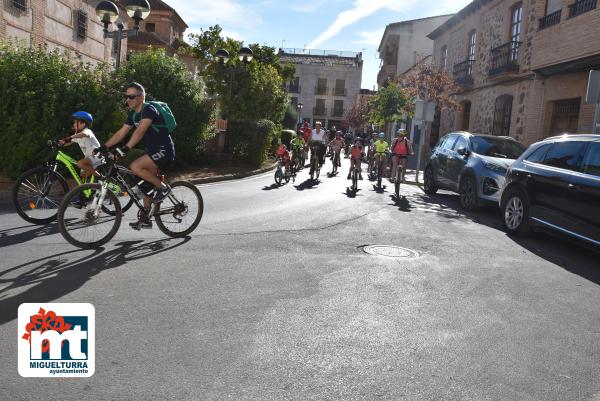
(163, 156)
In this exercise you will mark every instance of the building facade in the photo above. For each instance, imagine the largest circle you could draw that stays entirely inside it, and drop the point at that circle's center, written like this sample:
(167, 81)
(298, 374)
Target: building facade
(404, 44)
(327, 83)
(523, 66)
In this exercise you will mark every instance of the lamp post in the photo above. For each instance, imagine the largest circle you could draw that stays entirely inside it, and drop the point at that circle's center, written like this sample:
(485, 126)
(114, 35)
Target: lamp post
(108, 13)
(299, 106)
(245, 56)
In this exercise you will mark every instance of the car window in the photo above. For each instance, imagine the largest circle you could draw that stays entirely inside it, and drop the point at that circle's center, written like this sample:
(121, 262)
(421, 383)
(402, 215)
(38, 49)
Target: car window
(497, 147)
(591, 160)
(461, 142)
(565, 154)
(449, 142)
(538, 155)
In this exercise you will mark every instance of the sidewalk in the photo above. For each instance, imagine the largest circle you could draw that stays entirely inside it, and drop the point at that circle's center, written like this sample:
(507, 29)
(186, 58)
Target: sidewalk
(200, 175)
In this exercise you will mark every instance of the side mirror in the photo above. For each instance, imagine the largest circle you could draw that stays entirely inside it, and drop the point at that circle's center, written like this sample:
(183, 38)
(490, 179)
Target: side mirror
(462, 151)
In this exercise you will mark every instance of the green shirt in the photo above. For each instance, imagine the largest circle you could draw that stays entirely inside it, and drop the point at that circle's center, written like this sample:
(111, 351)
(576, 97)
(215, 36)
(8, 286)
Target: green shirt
(297, 143)
(381, 147)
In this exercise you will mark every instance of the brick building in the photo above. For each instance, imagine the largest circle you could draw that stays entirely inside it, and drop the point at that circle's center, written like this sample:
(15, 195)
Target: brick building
(523, 69)
(327, 83)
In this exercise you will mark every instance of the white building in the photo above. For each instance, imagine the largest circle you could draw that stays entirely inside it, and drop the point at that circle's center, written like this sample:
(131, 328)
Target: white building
(327, 83)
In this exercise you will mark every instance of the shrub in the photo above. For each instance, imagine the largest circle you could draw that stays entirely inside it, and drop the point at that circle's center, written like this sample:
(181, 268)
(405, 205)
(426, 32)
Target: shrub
(251, 140)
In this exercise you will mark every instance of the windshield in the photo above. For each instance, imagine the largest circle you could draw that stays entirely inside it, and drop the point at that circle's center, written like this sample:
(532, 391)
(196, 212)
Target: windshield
(496, 147)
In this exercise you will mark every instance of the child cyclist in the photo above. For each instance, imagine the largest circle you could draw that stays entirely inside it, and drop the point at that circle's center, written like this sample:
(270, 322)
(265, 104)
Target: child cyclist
(356, 153)
(298, 145)
(337, 144)
(283, 153)
(87, 141)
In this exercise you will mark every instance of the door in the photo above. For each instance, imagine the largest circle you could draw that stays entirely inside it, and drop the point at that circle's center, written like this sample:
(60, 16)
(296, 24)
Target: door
(456, 162)
(443, 153)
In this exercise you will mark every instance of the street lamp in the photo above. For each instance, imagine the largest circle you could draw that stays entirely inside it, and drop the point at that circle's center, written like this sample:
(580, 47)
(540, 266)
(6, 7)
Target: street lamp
(222, 56)
(108, 13)
(299, 106)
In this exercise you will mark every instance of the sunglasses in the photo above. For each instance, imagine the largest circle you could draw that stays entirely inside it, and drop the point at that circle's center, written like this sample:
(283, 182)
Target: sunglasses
(131, 97)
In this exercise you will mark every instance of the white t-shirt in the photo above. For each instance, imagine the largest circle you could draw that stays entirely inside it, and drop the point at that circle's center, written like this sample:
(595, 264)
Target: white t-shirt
(88, 143)
(317, 136)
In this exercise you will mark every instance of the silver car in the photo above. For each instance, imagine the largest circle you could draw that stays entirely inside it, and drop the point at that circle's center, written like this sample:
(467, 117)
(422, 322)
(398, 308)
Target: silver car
(474, 165)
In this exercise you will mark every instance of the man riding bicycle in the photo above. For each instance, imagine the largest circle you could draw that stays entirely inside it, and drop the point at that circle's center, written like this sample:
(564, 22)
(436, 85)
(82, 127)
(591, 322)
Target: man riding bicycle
(318, 138)
(160, 150)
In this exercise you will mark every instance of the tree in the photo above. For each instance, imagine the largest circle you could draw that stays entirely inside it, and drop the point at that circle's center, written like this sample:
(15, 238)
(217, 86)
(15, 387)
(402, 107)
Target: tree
(388, 104)
(431, 83)
(357, 116)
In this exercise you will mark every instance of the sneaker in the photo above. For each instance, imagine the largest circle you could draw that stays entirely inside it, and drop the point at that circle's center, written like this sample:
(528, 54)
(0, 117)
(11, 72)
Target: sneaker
(161, 194)
(137, 225)
(348, 177)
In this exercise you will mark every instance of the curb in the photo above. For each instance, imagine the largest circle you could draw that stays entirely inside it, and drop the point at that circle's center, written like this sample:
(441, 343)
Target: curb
(229, 177)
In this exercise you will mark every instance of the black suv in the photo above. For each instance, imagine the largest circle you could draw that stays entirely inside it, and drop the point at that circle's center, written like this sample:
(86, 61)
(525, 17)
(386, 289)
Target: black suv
(555, 185)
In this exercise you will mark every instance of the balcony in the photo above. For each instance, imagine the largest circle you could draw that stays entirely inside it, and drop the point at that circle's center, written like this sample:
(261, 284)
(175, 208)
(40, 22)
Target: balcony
(337, 112)
(463, 72)
(505, 58)
(294, 89)
(549, 20)
(386, 72)
(321, 90)
(339, 92)
(580, 7)
(320, 111)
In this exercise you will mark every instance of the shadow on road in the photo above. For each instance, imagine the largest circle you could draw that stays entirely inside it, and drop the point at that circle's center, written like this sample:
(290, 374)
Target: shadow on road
(14, 236)
(402, 202)
(57, 276)
(271, 187)
(307, 184)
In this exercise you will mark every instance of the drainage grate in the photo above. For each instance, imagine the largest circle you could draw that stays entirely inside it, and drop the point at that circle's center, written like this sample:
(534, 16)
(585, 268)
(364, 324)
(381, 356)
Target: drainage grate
(390, 251)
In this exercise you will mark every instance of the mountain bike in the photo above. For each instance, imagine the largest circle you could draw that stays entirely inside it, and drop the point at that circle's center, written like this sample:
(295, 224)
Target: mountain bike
(379, 169)
(38, 192)
(336, 160)
(398, 180)
(89, 226)
(354, 175)
(281, 173)
(315, 163)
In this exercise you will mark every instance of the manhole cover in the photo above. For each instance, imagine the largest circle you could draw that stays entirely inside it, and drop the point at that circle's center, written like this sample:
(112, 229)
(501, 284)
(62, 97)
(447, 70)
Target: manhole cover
(390, 251)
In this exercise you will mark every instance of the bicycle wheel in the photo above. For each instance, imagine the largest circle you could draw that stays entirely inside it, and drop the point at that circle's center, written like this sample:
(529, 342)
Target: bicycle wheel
(278, 176)
(398, 180)
(354, 180)
(37, 194)
(78, 222)
(180, 213)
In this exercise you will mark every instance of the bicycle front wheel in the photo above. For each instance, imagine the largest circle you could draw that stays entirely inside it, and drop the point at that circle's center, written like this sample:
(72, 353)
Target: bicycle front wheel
(180, 213)
(84, 225)
(37, 195)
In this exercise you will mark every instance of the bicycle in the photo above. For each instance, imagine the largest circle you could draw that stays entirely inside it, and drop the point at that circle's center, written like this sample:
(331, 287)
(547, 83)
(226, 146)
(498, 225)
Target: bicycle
(336, 160)
(398, 180)
(86, 226)
(354, 175)
(379, 169)
(315, 163)
(37, 192)
(281, 173)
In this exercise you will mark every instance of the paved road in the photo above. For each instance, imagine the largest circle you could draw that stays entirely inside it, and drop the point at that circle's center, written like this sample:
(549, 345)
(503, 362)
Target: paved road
(272, 298)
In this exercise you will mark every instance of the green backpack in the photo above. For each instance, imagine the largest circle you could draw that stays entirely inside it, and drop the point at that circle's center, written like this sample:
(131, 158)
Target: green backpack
(166, 114)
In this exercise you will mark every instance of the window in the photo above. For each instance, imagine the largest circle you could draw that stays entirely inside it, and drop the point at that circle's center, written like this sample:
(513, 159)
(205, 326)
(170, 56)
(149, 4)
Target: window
(150, 27)
(471, 52)
(444, 57)
(565, 155)
(466, 115)
(340, 87)
(538, 155)
(553, 6)
(338, 108)
(295, 85)
(320, 107)
(294, 102)
(515, 31)
(591, 161)
(321, 88)
(461, 142)
(20, 5)
(81, 24)
(502, 115)
(449, 141)
(565, 116)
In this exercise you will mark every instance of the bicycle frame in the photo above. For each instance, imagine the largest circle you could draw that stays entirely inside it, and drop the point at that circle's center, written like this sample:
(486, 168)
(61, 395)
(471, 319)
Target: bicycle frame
(70, 164)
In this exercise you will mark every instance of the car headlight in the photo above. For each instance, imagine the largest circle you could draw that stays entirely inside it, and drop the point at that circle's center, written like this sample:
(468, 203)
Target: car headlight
(495, 167)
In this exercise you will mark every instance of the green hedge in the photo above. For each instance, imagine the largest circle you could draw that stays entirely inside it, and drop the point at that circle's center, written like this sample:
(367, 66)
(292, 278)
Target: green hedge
(251, 141)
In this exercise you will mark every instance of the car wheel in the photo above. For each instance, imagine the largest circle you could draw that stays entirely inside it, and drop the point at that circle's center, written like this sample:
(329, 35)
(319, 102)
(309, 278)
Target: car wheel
(515, 212)
(430, 187)
(468, 193)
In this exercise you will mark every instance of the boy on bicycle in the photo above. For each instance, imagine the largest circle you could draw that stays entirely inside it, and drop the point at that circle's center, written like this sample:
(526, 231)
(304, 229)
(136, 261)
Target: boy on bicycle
(337, 144)
(283, 154)
(356, 153)
(297, 144)
(381, 148)
(87, 141)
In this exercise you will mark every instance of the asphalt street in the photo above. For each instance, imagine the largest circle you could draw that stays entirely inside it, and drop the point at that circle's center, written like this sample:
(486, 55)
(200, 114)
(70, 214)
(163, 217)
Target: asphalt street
(273, 298)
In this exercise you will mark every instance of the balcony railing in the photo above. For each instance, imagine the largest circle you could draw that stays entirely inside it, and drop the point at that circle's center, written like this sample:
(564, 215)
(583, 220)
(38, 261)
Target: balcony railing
(463, 72)
(294, 89)
(505, 58)
(549, 20)
(580, 7)
(337, 112)
(386, 72)
(339, 92)
(320, 111)
(320, 90)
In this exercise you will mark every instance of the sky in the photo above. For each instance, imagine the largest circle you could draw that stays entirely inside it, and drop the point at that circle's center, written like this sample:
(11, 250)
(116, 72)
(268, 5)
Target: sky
(347, 25)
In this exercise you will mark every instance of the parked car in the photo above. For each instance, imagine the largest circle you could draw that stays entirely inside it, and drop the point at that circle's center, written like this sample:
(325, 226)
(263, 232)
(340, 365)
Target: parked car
(474, 165)
(555, 185)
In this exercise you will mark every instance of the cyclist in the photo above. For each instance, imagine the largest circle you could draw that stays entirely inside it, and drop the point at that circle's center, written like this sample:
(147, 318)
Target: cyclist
(160, 149)
(371, 151)
(347, 142)
(297, 144)
(319, 138)
(356, 153)
(283, 153)
(87, 141)
(337, 144)
(401, 148)
(307, 132)
(381, 148)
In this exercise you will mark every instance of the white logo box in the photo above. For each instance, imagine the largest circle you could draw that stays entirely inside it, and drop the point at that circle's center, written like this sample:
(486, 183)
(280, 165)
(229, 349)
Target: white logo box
(48, 315)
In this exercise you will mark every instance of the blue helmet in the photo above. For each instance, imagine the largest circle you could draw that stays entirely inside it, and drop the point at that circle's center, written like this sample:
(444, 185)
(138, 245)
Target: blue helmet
(382, 134)
(83, 116)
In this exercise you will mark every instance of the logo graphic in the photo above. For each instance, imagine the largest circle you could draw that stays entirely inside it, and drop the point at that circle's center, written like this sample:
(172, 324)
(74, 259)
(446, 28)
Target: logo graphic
(56, 340)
